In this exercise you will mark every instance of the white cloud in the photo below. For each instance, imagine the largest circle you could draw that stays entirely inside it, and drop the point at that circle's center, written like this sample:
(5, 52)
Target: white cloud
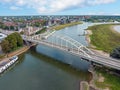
(117, 14)
(97, 2)
(14, 8)
(20, 2)
(6, 1)
(49, 6)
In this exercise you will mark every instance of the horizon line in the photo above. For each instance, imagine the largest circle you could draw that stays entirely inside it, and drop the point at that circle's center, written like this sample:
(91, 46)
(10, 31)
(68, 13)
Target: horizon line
(54, 15)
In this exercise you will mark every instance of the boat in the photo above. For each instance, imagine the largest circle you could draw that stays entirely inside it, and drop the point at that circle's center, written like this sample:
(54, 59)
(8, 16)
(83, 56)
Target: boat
(7, 65)
(13, 58)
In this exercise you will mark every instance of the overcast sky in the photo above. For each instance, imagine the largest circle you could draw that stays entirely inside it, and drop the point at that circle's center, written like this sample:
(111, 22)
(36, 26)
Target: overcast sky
(59, 7)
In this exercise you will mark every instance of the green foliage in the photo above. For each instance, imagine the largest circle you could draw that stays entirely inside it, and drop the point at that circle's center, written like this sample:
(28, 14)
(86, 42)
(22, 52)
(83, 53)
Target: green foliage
(65, 25)
(22, 32)
(19, 39)
(115, 53)
(41, 31)
(5, 46)
(11, 42)
(2, 56)
(104, 38)
(111, 81)
(37, 24)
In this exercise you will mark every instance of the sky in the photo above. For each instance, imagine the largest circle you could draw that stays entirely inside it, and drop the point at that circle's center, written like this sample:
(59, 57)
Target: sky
(59, 7)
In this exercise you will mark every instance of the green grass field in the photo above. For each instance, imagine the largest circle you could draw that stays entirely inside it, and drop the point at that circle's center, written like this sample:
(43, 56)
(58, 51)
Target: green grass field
(41, 31)
(65, 25)
(104, 38)
(111, 81)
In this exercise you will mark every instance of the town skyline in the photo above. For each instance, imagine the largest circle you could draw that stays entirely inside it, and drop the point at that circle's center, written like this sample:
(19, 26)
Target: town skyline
(61, 7)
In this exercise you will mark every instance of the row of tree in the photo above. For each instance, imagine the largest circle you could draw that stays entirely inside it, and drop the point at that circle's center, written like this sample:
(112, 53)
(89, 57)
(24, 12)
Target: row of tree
(11, 42)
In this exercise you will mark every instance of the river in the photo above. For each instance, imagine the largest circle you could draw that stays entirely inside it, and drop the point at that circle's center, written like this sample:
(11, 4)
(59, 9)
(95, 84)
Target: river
(41, 67)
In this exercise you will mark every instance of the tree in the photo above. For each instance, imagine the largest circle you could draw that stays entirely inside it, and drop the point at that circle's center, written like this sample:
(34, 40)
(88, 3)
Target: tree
(5, 46)
(116, 53)
(37, 24)
(43, 23)
(19, 39)
(11, 42)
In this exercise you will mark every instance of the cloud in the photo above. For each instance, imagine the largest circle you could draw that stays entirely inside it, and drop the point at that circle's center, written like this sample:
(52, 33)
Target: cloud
(97, 2)
(117, 14)
(50, 6)
(6, 1)
(14, 8)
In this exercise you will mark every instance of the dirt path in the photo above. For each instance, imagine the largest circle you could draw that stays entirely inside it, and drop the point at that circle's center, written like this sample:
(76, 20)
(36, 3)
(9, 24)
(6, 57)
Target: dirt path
(19, 51)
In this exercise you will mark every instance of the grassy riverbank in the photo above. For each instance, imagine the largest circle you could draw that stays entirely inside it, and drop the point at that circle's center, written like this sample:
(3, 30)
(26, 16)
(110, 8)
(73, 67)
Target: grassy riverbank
(15, 52)
(111, 82)
(65, 25)
(104, 37)
(41, 31)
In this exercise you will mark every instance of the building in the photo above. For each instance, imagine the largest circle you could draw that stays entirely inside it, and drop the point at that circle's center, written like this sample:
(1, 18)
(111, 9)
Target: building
(2, 36)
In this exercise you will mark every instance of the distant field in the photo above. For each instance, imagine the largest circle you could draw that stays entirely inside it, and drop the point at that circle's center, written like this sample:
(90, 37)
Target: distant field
(65, 25)
(104, 37)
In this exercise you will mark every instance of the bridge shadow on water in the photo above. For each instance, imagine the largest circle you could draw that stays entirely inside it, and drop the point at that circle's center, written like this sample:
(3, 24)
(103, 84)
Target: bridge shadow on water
(60, 64)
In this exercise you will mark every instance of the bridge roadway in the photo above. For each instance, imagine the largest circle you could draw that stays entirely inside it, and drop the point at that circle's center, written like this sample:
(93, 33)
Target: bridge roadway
(105, 61)
(102, 60)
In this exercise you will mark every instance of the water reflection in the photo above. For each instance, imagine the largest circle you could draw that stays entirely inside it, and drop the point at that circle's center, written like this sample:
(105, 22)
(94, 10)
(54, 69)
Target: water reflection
(66, 67)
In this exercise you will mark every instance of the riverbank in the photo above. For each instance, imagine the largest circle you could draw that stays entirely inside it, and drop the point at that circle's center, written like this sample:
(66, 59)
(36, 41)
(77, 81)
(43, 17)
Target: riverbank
(21, 50)
(102, 80)
(65, 25)
(84, 85)
(106, 81)
(102, 39)
(5, 61)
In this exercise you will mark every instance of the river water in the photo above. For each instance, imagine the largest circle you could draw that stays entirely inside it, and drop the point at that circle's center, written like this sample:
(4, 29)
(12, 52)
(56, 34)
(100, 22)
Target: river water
(41, 68)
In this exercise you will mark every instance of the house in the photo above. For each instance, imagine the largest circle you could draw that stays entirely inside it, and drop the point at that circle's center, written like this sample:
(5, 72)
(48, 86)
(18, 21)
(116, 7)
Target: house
(2, 36)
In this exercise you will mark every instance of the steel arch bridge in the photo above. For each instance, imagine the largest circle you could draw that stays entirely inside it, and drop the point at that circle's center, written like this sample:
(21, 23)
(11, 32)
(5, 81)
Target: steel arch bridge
(70, 45)
(62, 42)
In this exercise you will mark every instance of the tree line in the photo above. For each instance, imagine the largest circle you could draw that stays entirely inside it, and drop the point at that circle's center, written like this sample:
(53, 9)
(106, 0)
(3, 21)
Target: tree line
(11, 42)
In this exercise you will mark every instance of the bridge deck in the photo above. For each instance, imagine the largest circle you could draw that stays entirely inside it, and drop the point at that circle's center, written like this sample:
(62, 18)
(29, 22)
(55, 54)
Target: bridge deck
(106, 61)
(79, 51)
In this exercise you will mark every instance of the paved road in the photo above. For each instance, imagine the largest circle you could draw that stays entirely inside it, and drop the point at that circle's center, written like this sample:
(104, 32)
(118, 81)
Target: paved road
(106, 61)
